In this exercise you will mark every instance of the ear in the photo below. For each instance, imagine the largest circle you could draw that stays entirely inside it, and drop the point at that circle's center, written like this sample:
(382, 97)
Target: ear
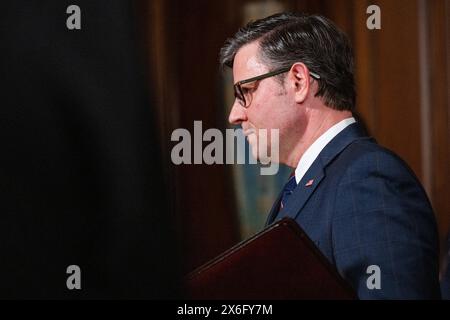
(300, 81)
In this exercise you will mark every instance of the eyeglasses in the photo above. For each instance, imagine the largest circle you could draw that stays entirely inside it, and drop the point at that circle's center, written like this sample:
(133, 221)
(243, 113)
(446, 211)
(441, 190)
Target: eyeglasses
(244, 95)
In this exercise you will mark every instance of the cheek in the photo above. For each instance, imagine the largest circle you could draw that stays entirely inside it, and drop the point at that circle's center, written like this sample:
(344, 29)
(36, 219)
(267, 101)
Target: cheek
(273, 117)
(265, 114)
(272, 109)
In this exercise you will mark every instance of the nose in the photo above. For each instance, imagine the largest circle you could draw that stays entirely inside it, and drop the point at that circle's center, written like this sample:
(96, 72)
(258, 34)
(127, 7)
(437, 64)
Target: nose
(237, 113)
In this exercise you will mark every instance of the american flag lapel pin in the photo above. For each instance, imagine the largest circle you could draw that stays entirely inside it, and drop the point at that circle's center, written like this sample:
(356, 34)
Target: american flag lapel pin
(309, 183)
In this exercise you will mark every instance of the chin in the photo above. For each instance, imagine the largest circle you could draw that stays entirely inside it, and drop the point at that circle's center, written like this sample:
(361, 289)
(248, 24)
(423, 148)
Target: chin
(254, 151)
(261, 154)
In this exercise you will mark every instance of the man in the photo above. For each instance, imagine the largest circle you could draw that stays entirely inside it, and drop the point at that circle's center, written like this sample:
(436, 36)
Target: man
(445, 281)
(360, 203)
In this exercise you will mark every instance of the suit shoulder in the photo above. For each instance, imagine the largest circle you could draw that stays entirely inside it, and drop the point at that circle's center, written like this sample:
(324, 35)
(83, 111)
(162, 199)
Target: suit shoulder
(371, 147)
(366, 156)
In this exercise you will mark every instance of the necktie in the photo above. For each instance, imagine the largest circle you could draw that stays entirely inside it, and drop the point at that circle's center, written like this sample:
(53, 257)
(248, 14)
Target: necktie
(287, 191)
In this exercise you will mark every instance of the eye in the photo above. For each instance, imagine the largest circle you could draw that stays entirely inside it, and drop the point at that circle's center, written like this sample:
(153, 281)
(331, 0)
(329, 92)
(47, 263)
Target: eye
(248, 90)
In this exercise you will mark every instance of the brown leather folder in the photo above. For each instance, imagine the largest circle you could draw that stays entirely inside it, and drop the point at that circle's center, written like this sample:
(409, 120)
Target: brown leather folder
(280, 262)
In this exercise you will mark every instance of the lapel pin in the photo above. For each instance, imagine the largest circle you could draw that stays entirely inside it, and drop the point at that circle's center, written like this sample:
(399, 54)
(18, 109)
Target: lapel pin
(309, 183)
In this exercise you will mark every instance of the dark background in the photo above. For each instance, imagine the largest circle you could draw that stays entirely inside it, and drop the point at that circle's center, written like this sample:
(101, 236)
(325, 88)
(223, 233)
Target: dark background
(82, 181)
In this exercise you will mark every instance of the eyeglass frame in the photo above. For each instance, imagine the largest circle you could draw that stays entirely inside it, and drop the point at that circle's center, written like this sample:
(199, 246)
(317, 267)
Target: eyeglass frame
(238, 90)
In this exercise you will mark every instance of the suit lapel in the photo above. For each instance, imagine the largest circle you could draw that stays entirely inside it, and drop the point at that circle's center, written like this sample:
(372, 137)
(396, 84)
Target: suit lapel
(274, 211)
(303, 191)
(316, 173)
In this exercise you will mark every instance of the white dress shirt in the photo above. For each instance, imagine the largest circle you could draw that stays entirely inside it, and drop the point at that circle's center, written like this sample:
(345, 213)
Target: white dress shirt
(314, 150)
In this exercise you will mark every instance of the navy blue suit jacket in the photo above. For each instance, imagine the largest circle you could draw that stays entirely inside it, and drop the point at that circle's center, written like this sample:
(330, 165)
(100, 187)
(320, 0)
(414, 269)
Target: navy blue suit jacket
(445, 282)
(366, 207)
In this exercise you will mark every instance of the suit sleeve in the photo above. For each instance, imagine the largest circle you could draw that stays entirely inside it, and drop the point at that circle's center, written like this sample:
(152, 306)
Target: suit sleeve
(384, 232)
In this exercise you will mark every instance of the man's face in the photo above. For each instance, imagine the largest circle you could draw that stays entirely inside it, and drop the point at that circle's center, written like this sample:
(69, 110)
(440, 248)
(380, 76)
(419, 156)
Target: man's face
(272, 106)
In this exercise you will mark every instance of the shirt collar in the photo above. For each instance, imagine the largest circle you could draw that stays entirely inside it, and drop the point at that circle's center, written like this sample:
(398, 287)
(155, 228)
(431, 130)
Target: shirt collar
(314, 149)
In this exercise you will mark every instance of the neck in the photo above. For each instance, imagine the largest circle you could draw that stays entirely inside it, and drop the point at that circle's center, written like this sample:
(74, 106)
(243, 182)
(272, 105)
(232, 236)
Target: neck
(317, 123)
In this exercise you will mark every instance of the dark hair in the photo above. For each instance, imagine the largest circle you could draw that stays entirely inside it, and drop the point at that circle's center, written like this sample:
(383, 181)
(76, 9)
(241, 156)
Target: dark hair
(287, 38)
